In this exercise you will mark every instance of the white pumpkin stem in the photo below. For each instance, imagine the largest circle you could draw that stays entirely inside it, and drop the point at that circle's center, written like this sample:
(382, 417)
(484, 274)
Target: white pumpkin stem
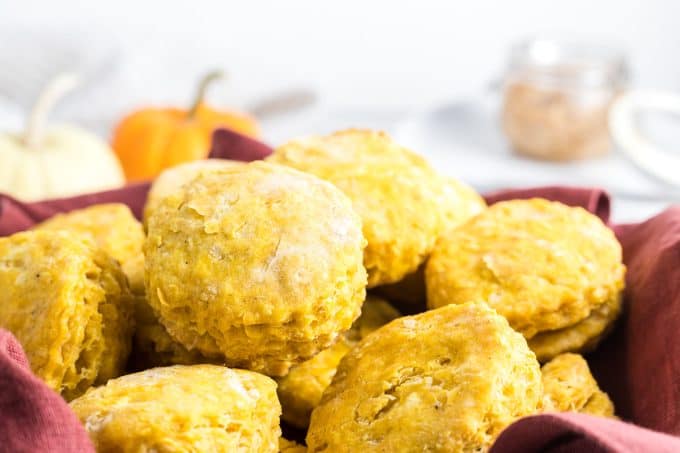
(203, 85)
(54, 91)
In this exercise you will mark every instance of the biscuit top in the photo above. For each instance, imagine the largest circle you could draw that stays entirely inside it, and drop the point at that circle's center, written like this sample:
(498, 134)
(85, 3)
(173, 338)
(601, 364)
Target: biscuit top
(348, 149)
(173, 178)
(259, 263)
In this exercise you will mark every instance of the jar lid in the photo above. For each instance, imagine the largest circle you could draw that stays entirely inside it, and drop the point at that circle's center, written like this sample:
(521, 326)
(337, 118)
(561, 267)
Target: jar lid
(569, 63)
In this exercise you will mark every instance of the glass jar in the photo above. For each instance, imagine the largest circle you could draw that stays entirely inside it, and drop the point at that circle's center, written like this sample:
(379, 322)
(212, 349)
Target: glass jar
(557, 96)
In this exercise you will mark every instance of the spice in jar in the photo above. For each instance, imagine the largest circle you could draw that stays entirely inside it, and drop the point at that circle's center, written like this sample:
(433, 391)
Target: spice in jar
(557, 98)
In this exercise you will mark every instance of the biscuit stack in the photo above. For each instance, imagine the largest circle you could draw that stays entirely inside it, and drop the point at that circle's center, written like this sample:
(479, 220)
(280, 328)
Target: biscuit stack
(243, 300)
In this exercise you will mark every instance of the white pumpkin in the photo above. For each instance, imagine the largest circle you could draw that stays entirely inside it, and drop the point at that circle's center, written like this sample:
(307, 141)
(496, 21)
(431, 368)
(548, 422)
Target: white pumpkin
(58, 162)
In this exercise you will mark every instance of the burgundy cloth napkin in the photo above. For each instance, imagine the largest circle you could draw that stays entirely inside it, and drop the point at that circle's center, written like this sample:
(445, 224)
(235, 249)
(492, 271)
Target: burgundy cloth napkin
(639, 364)
(580, 433)
(33, 418)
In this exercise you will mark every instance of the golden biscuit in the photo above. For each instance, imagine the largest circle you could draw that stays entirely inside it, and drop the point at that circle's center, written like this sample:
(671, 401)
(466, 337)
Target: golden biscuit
(288, 446)
(394, 191)
(460, 203)
(447, 380)
(568, 386)
(113, 227)
(301, 389)
(69, 305)
(543, 265)
(175, 177)
(183, 408)
(259, 264)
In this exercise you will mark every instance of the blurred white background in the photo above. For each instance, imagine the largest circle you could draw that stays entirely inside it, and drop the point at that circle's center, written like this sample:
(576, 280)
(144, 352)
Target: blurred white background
(376, 54)
(372, 63)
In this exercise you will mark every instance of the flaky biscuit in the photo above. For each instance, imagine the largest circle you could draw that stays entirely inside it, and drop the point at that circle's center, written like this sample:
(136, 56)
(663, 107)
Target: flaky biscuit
(543, 265)
(69, 305)
(183, 408)
(447, 380)
(153, 346)
(259, 263)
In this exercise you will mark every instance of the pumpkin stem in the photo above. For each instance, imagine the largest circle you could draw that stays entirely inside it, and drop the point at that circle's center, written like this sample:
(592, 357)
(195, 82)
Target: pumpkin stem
(206, 81)
(54, 91)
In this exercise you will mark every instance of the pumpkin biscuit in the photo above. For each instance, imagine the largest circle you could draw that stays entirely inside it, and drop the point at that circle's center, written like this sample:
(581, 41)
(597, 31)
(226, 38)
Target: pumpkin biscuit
(543, 265)
(113, 227)
(568, 386)
(396, 193)
(301, 389)
(258, 264)
(69, 305)
(447, 380)
(183, 408)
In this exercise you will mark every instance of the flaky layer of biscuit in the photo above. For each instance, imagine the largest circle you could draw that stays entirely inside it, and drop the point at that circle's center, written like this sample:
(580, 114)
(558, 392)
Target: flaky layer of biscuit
(582, 337)
(459, 204)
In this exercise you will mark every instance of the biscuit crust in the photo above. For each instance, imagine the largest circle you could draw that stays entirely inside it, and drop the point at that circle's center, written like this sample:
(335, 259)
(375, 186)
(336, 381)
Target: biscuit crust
(459, 204)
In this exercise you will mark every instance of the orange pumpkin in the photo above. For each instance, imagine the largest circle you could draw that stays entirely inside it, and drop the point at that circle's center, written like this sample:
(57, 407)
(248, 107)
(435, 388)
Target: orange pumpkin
(152, 139)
